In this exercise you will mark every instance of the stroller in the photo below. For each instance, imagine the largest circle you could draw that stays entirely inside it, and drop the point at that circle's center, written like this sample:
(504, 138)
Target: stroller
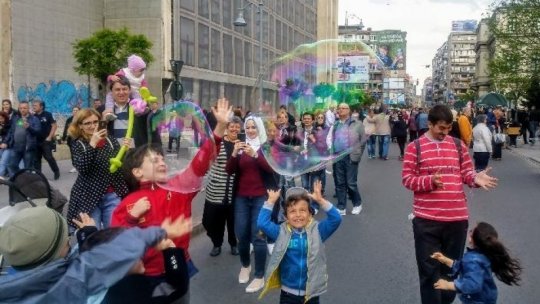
(29, 188)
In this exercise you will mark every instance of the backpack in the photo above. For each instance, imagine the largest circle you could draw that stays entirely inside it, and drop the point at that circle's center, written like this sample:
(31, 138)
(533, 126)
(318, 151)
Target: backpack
(457, 142)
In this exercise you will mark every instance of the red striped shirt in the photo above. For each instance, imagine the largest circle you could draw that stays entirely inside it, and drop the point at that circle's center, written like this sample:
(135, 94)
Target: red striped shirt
(446, 204)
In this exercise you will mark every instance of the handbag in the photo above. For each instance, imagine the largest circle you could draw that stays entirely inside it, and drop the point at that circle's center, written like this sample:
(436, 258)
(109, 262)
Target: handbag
(499, 138)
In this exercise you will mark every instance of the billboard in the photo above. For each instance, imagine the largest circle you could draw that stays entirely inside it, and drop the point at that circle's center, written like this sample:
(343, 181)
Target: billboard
(353, 69)
(391, 48)
(464, 25)
(393, 83)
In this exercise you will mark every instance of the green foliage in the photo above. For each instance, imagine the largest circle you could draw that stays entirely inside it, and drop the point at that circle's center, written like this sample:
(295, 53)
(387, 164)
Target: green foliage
(351, 97)
(515, 30)
(323, 90)
(106, 51)
(533, 92)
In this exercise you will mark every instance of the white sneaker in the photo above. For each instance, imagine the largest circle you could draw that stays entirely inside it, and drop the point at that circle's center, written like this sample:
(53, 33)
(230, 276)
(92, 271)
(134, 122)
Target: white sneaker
(342, 212)
(255, 285)
(73, 170)
(243, 276)
(356, 210)
(270, 247)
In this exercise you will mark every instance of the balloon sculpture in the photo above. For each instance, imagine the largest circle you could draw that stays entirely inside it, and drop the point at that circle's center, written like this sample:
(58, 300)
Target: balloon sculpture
(137, 106)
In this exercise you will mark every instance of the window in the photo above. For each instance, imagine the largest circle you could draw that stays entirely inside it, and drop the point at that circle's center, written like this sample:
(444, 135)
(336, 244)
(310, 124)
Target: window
(208, 93)
(227, 17)
(279, 45)
(228, 66)
(203, 9)
(187, 40)
(216, 11)
(238, 56)
(204, 46)
(216, 51)
(265, 24)
(188, 5)
(248, 67)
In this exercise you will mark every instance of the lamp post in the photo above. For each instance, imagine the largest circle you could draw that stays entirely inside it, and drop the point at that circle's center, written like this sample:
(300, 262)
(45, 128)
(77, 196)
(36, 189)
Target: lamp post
(176, 88)
(240, 21)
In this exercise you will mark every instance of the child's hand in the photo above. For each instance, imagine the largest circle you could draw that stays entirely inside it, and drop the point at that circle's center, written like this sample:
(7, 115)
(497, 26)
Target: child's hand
(114, 78)
(273, 196)
(86, 220)
(444, 285)
(164, 244)
(317, 193)
(176, 228)
(140, 207)
(127, 142)
(443, 259)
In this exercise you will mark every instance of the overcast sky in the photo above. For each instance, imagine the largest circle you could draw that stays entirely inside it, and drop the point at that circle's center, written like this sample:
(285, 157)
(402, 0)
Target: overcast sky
(427, 23)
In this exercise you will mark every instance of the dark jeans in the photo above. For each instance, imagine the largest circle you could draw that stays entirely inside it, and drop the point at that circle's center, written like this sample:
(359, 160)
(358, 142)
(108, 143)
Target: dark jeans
(28, 158)
(246, 213)
(308, 179)
(401, 143)
(44, 150)
(215, 216)
(432, 236)
(289, 298)
(513, 140)
(346, 182)
(413, 135)
(497, 150)
(481, 160)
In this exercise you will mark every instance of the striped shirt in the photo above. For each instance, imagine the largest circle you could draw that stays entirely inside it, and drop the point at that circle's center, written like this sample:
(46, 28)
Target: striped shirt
(121, 122)
(221, 185)
(446, 204)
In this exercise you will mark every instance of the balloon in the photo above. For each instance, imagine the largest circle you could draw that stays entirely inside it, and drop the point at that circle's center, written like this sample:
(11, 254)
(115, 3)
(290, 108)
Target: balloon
(116, 162)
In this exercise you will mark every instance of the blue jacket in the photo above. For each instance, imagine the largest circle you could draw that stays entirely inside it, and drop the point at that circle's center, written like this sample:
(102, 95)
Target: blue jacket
(293, 267)
(422, 121)
(32, 132)
(77, 277)
(474, 283)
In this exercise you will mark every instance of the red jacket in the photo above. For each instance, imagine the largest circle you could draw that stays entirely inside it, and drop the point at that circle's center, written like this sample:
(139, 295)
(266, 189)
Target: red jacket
(165, 204)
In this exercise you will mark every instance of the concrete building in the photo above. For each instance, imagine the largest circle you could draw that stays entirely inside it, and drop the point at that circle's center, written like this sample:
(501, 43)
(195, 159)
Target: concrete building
(219, 58)
(454, 66)
(427, 92)
(484, 46)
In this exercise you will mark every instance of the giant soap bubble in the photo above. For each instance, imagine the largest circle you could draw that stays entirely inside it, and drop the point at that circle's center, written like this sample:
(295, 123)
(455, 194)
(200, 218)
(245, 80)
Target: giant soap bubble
(187, 141)
(311, 79)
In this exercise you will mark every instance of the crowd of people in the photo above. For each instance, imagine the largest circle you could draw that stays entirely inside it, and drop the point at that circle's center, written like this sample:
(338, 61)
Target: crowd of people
(251, 193)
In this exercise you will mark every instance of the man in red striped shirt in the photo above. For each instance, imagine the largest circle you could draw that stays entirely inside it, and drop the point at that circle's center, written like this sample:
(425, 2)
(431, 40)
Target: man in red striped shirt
(434, 169)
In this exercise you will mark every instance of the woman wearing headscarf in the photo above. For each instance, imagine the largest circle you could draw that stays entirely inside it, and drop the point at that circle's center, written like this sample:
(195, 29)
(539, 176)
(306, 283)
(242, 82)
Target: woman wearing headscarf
(249, 166)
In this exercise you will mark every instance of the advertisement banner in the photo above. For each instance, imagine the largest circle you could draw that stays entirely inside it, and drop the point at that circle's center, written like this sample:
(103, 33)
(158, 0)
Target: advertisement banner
(391, 47)
(464, 25)
(353, 69)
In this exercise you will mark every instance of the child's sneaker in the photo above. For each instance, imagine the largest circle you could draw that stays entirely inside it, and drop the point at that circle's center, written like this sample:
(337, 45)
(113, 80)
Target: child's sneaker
(255, 285)
(243, 277)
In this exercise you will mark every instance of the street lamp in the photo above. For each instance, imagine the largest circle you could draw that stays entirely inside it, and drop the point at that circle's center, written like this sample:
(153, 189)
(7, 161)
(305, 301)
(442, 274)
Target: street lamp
(176, 88)
(240, 21)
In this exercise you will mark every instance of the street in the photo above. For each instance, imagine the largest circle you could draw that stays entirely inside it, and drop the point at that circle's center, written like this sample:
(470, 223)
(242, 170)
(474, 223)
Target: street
(371, 256)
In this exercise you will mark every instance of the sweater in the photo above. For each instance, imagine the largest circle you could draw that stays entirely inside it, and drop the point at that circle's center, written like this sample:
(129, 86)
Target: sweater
(482, 138)
(450, 202)
(164, 204)
(220, 189)
(249, 171)
(465, 129)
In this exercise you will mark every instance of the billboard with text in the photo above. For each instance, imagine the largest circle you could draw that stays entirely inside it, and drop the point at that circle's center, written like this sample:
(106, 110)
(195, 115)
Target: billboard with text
(391, 48)
(353, 69)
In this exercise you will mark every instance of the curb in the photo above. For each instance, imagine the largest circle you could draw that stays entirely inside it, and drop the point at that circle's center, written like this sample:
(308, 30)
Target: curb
(532, 160)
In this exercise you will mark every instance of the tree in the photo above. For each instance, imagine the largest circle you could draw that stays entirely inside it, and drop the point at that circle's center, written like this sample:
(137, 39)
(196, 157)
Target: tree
(515, 49)
(533, 92)
(106, 51)
(323, 90)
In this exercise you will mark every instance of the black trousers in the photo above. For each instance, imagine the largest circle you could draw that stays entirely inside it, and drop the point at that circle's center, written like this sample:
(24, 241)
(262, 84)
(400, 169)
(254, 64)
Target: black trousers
(215, 217)
(289, 298)
(481, 160)
(44, 150)
(401, 142)
(413, 135)
(432, 236)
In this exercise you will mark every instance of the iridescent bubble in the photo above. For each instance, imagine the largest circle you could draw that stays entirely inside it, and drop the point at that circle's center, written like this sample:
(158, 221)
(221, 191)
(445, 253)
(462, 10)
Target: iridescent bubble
(311, 79)
(187, 141)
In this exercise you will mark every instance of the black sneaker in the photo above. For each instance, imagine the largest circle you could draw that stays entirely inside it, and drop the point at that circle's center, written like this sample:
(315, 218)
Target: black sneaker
(234, 250)
(215, 251)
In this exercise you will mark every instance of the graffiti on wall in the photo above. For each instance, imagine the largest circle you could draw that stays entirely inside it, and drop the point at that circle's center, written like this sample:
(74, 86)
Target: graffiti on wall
(59, 97)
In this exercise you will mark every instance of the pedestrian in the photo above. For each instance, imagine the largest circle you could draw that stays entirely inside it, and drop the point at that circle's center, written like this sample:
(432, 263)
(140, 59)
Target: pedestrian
(4, 150)
(66, 138)
(499, 138)
(534, 120)
(422, 123)
(330, 115)
(7, 108)
(46, 138)
(435, 168)
(149, 204)
(399, 130)
(482, 147)
(289, 141)
(369, 128)
(249, 166)
(413, 129)
(152, 124)
(347, 137)
(473, 274)
(383, 130)
(96, 191)
(465, 127)
(313, 150)
(300, 274)
(35, 243)
(220, 192)
(175, 125)
(22, 139)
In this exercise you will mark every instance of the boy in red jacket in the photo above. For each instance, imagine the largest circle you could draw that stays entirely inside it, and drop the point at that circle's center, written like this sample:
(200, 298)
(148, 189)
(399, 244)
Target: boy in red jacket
(150, 204)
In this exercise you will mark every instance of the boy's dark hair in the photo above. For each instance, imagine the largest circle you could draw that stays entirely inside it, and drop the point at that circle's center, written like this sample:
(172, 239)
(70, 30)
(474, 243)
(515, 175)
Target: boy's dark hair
(122, 80)
(100, 237)
(134, 159)
(486, 241)
(294, 199)
(440, 113)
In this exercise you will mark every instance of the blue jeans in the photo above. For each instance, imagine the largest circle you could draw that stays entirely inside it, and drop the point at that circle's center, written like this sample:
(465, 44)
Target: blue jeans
(246, 213)
(5, 155)
(103, 212)
(346, 182)
(308, 180)
(27, 156)
(384, 142)
(371, 145)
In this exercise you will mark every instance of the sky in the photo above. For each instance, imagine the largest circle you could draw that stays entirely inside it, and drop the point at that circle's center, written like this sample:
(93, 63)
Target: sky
(427, 23)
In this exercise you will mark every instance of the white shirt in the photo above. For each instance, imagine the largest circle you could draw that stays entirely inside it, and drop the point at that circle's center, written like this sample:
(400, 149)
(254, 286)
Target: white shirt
(330, 118)
(481, 138)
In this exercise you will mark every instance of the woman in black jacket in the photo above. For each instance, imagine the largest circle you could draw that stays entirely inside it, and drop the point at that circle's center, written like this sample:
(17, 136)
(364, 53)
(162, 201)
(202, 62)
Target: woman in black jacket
(399, 131)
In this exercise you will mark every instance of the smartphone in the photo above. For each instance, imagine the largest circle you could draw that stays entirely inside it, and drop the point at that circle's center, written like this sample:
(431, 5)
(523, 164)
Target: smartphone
(242, 137)
(102, 125)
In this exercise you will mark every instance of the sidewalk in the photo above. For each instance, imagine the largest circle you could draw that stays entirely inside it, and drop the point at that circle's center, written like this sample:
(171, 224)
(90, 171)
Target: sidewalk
(528, 151)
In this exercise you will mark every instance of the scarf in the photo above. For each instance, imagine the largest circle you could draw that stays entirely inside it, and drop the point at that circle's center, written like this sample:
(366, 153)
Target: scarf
(256, 142)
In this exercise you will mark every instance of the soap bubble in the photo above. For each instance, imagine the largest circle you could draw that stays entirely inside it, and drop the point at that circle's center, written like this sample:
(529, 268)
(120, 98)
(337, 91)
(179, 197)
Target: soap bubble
(183, 133)
(311, 79)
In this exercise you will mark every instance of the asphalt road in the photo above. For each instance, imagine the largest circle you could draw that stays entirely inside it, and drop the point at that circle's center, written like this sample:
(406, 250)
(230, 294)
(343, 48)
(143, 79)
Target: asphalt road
(371, 256)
